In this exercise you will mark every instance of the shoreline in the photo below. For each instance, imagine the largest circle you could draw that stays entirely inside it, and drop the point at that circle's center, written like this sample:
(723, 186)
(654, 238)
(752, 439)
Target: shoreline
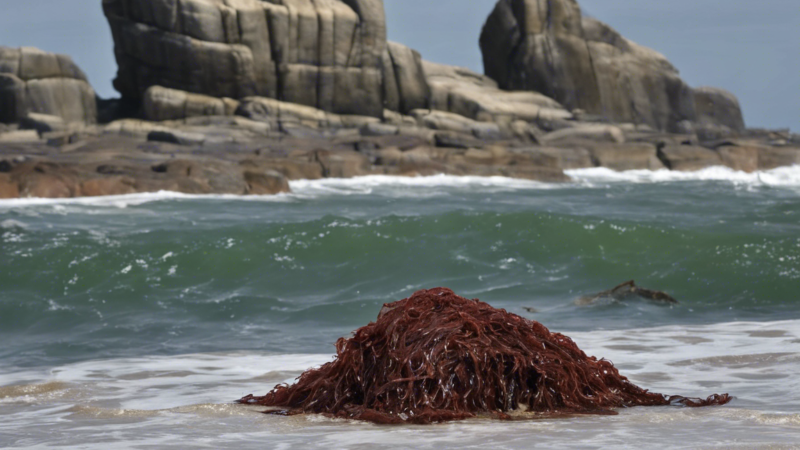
(245, 100)
(238, 156)
(787, 176)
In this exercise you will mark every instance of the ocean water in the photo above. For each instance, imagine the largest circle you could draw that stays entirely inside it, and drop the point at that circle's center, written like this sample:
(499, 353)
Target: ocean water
(136, 321)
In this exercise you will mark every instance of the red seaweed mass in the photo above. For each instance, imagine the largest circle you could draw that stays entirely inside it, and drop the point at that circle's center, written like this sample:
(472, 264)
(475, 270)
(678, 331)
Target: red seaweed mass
(438, 357)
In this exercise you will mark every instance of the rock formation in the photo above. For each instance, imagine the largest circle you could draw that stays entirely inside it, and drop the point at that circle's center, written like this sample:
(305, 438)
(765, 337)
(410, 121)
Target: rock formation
(547, 46)
(333, 55)
(242, 96)
(461, 91)
(33, 81)
(328, 54)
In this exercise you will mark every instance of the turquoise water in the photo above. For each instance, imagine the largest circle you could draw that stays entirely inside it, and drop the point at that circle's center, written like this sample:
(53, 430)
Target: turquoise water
(141, 281)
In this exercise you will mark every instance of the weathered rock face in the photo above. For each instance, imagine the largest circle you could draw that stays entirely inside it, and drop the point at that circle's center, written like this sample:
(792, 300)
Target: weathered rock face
(718, 113)
(461, 91)
(329, 54)
(687, 158)
(547, 46)
(405, 85)
(169, 104)
(33, 81)
(718, 106)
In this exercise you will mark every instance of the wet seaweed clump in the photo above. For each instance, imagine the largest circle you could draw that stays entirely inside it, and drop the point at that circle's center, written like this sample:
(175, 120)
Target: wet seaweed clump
(437, 357)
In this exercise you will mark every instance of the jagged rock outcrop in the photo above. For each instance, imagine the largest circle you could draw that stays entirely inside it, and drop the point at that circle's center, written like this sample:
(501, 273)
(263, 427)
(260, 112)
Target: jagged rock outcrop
(36, 82)
(548, 47)
(329, 54)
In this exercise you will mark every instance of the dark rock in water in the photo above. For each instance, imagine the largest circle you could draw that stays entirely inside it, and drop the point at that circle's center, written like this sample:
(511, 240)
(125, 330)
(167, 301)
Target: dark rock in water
(438, 357)
(627, 290)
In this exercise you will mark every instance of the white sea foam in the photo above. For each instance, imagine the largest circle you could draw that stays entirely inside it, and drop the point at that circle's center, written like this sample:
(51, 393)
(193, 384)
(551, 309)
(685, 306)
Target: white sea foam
(753, 360)
(301, 189)
(124, 201)
(788, 177)
(366, 183)
(167, 382)
(590, 177)
(163, 402)
(741, 357)
(12, 224)
(780, 177)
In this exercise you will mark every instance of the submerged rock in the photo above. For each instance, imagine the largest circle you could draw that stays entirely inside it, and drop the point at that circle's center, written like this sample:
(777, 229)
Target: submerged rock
(627, 290)
(438, 357)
